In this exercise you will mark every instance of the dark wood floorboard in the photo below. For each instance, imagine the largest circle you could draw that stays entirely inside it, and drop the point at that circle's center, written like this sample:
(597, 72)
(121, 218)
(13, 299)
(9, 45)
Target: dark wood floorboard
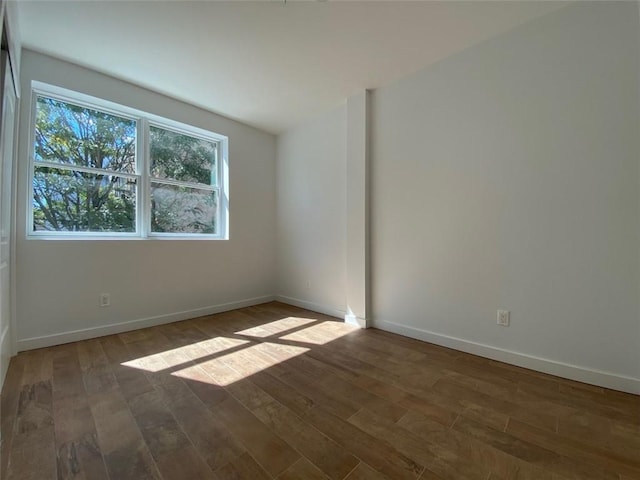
(277, 392)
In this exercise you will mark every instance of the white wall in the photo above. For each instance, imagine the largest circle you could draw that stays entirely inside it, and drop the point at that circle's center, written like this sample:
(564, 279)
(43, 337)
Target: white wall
(58, 282)
(507, 176)
(311, 203)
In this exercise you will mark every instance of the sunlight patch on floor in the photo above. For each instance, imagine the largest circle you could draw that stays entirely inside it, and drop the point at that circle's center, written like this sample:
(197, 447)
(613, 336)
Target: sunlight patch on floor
(235, 366)
(224, 360)
(320, 334)
(176, 356)
(275, 327)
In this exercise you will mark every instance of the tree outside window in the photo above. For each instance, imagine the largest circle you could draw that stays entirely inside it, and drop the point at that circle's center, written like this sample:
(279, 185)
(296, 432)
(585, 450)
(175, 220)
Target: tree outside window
(88, 174)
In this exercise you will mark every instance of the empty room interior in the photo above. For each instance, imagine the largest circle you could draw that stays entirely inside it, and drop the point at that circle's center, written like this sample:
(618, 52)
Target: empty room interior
(347, 240)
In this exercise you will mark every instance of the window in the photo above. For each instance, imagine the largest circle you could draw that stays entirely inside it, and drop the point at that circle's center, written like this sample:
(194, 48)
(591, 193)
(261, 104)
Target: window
(183, 182)
(103, 170)
(84, 171)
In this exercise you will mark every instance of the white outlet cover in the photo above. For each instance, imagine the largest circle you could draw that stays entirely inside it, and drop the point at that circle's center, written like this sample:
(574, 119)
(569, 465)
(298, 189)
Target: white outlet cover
(503, 317)
(105, 299)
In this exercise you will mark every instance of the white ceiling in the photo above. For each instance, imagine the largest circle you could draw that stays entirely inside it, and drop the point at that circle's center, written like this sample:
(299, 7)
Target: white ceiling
(267, 64)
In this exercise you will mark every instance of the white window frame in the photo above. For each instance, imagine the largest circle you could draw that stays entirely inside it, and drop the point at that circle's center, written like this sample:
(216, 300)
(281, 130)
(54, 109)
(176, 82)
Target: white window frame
(142, 174)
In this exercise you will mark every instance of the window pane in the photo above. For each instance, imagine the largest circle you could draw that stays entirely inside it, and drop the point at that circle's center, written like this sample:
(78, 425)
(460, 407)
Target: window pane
(70, 201)
(182, 210)
(74, 135)
(177, 156)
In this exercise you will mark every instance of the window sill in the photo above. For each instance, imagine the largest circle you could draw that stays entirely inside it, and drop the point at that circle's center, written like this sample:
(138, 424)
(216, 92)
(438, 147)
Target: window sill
(119, 238)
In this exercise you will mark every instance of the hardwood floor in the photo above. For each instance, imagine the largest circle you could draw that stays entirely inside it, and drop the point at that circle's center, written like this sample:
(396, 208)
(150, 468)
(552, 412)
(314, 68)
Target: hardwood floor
(274, 391)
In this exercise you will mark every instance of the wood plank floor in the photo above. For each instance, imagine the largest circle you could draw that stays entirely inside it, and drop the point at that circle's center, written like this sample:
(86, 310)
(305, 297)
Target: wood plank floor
(274, 391)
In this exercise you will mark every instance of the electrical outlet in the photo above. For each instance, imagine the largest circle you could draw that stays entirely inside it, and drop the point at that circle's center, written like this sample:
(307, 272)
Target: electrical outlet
(308, 284)
(105, 299)
(503, 318)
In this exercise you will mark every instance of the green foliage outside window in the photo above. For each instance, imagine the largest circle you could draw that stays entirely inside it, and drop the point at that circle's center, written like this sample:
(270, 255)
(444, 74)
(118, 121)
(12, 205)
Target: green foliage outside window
(94, 189)
(70, 200)
(182, 158)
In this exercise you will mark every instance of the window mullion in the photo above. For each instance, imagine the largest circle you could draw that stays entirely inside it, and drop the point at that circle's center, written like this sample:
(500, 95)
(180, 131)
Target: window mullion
(79, 168)
(178, 183)
(144, 202)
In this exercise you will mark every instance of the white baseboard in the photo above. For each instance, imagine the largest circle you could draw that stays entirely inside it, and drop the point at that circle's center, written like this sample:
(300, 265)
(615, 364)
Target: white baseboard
(351, 319)
(552, 367)
(84, 334)
(314, 307)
